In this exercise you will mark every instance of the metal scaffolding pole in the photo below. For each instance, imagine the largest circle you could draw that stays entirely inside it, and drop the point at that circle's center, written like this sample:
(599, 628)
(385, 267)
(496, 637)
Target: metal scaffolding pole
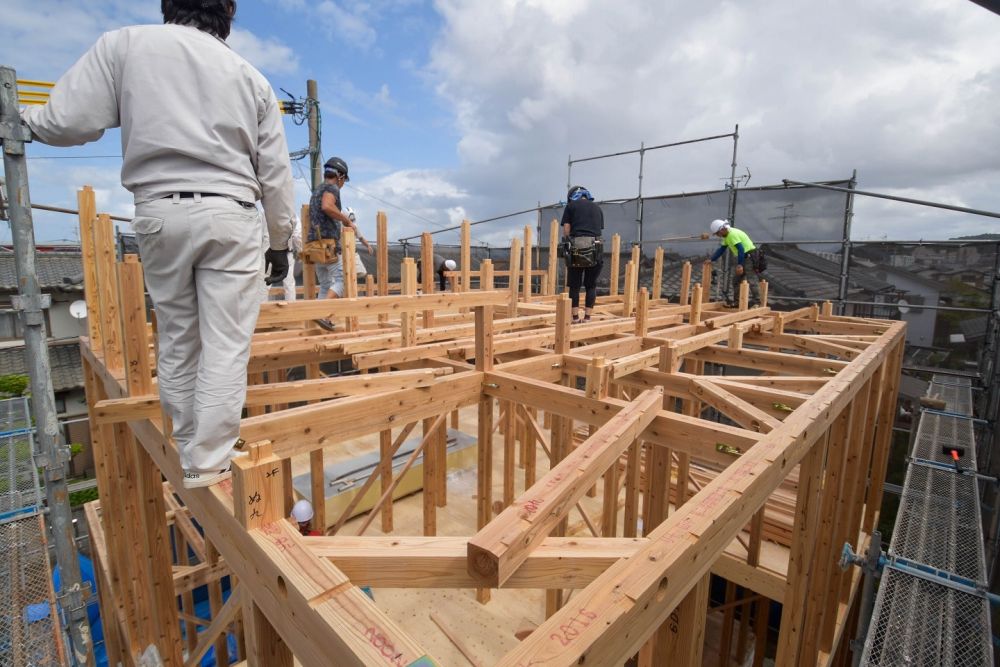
(845, 257)
(32, 303)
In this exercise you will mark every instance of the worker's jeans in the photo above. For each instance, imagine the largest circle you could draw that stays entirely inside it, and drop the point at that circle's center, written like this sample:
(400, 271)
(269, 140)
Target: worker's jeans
(203, 264)
(330, 277)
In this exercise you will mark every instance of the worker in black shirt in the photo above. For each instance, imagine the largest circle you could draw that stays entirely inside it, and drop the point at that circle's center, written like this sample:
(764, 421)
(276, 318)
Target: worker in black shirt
(582, 224)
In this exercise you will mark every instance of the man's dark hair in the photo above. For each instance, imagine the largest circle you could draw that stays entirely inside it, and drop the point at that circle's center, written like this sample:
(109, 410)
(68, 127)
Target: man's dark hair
(212, 16)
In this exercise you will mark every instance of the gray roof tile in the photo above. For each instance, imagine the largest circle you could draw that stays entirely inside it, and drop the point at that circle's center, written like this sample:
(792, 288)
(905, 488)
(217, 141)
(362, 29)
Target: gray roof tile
(64, 360)
(52, 268)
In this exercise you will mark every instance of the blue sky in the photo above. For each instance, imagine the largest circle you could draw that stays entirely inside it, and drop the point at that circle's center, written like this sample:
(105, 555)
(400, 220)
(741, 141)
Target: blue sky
(448, 109)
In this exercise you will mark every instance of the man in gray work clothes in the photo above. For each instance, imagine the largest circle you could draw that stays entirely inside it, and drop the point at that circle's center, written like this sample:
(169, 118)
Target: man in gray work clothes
(202, 141)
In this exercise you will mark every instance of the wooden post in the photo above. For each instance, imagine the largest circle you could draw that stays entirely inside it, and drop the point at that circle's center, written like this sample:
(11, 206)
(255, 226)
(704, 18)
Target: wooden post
(427, 273)
(108, 292)
(382, 258)
(88, 216)
(803, 534)
(527, 264)
(348, 259)
(552, 277)
(484, 469)
(762, 288)
(658, 273)
(642, 314)
(408, 320)
(685, 283)
(149, 482)
(265, 647)
(696, 301)
(515, 273)
(120, 562)
(258, 496)
(257, 501)
(616, 251)
(628, 297)
(744, 299)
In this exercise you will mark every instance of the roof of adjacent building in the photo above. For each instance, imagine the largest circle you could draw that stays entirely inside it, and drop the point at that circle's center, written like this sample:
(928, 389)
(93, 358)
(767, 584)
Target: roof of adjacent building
(57, 271)
(64, 361)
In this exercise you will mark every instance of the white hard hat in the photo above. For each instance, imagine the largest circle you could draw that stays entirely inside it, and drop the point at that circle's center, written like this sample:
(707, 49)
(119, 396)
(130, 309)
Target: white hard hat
(718, 225)
(349, 212)
(302, 511)
(450, 264)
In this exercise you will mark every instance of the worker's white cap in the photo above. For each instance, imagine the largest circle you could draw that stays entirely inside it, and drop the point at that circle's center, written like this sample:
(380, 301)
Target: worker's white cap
(302, 511)
(450, 264)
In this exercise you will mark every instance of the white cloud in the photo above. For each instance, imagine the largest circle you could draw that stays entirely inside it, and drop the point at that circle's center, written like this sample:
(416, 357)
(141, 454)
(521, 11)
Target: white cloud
(905, 92)
(267, 54)
(348, 23)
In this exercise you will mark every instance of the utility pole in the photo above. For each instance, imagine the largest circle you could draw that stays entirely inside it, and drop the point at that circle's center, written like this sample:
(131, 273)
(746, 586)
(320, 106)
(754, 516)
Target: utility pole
(315, 150)
(32, 304)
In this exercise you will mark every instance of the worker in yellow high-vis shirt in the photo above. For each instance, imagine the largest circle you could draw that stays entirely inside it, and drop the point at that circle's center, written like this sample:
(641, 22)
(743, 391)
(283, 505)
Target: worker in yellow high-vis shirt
(747, 257)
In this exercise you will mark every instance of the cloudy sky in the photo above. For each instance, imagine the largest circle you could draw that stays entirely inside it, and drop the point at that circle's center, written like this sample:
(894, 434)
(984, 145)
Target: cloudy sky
(458, 109)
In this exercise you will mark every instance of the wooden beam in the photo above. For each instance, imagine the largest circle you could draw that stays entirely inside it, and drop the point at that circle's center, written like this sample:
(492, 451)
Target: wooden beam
(220, 622)
(634, 597)
(497, 550)
(734, 407)
(274, 313)
(299, 430)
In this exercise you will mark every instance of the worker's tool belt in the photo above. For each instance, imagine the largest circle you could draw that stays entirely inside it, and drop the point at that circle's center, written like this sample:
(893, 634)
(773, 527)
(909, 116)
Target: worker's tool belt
(320, 251)
(584, 252)
(757, 260)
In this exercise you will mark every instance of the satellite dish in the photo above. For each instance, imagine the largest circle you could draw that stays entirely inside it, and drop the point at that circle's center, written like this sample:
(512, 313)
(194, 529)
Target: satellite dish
(78, 309)
(903, 305)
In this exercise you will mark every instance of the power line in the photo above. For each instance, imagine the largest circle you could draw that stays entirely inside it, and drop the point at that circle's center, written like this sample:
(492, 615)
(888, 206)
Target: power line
(399, 208)
(73, 157)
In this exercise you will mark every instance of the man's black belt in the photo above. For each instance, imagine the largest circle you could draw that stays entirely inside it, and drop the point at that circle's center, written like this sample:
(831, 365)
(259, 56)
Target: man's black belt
(191, 195)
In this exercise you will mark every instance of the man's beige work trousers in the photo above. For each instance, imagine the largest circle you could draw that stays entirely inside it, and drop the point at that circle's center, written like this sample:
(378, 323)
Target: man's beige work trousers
(202, 261)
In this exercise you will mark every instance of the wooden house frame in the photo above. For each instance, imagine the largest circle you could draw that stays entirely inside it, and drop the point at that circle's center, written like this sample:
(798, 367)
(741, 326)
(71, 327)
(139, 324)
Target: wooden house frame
(785, 452)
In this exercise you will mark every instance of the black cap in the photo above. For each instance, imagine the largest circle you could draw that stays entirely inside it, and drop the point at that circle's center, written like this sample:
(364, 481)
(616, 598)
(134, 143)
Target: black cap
(337, 165)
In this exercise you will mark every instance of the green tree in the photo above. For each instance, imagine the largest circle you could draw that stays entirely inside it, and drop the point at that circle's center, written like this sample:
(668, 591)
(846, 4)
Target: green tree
(14, 385)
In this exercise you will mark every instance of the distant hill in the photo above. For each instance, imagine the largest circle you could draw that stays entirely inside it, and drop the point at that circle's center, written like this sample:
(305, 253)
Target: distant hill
(978, 237)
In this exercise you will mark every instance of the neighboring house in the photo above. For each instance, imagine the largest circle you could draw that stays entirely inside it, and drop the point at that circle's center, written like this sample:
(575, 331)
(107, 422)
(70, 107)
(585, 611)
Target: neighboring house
(60, 277)
(916, 290)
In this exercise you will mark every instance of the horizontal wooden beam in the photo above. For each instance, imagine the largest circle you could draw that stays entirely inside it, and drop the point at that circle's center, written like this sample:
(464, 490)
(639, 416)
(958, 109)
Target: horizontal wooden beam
(346, 629)
(626, 604)
(304, 429)
(682, 433)
(558, 562)
(148, 406)
(274, 313)
(500, 547)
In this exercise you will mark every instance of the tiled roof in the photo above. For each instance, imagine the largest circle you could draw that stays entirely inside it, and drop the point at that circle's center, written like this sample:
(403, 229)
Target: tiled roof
(861, 277)
(51, 267)
(64, 361)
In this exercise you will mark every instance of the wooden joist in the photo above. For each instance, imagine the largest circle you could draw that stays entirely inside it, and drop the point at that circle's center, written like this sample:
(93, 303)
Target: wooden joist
(497, 551)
